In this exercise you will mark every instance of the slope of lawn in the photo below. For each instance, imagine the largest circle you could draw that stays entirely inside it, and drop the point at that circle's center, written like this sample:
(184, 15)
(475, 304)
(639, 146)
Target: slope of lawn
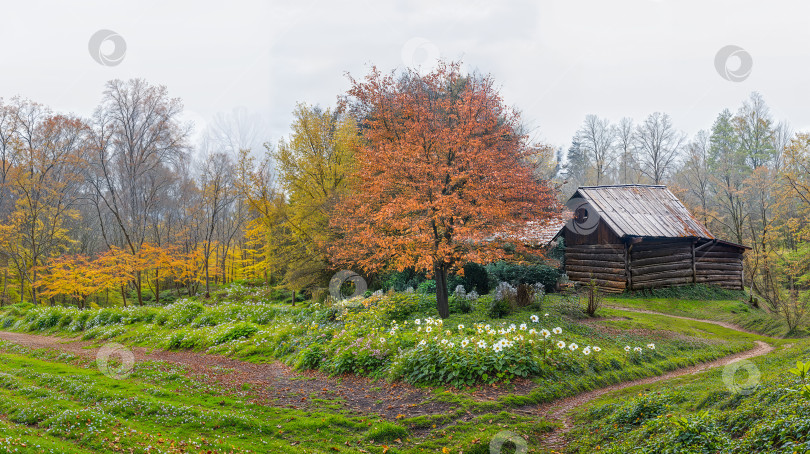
(702, 414)
(60, 403)
(711, 304)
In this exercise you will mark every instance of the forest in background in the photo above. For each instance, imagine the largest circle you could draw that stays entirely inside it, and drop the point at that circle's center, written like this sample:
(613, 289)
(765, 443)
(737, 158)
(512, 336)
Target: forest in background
(122, 206)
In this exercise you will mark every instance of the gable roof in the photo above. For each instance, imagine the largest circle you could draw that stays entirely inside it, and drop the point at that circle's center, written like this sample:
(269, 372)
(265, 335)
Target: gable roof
(643, 210)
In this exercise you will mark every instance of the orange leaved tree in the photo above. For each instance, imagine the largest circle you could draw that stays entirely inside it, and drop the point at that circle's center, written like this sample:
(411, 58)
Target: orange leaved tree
(71, 275)
(444, 166)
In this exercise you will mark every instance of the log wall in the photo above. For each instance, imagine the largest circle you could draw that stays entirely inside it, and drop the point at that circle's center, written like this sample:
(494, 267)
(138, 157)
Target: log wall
(719, 264)
(656, 263)
(604, 263)
(660, 263)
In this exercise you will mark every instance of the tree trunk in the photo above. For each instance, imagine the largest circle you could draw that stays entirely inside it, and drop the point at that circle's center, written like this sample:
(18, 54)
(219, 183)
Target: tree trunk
(442, 304)
(293, 298)
(124, 294)
(5, 288)
(138, 288)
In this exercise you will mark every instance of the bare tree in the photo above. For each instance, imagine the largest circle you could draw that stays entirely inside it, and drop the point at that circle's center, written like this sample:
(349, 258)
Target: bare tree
(696, 172)
(596, 138)
(216, 186)
(625, 133)
(658, 144)
(138, 140)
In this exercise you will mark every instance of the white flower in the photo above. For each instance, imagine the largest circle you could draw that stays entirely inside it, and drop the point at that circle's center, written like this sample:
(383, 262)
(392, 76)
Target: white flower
(512, 327)
(627, 348)
(535, 318)
(464, 343)
(451, 345)
(573, 347)
(545, 333)
(560, 344)
(382, 340)
(545, 315)
(460, 327)
(597, 349)
(586, 351)
(497, 347)
(444, 341)
(417, 321)
(482, 344)
(637, 349)
(557, 330)
(428, 329)
(523, 327)
(531, 341)
(480, 330)
(651, 346)
(487, 327)
(501, 332)
(532, 331)
(422, 342)
(440, 322)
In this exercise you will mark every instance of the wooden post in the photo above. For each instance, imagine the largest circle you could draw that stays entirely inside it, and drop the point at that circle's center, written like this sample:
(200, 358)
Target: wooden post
(627, 248)
(694, 267)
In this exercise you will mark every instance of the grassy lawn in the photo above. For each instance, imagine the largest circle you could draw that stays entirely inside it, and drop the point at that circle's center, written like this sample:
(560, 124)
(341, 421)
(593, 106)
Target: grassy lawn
(63, 404)
(701, 413)
(715, 307)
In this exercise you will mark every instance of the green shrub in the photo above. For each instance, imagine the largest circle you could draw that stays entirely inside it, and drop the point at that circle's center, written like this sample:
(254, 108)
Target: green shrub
(499, 308)
(428, 286)
(476, 278)
(524, 274)
(236, 332)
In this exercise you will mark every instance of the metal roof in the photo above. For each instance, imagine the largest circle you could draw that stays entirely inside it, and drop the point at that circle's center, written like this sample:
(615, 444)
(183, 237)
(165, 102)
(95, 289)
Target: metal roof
(643, 210)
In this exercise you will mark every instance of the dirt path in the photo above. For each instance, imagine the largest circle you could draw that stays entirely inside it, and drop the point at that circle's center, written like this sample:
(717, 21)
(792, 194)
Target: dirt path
(713, 322)
(560, 410)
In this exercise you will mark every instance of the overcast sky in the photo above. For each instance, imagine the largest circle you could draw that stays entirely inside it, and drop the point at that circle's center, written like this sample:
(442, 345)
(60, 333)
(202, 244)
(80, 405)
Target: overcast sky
(555, 61)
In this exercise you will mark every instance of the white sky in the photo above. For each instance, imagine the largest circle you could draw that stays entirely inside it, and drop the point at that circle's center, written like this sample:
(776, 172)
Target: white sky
(555, 61)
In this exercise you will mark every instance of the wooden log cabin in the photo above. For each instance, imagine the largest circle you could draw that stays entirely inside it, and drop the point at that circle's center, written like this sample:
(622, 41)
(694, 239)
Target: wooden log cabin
(640, 237)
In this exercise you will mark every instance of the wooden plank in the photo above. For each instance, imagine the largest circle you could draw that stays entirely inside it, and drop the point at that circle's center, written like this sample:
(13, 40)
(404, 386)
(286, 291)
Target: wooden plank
(598, 269)
(660, 253)
(595, 256)
(602, 283)
(722, 255)
(662, 283)
(588, 248)
(658, 260)
(719, 278)
(680, 265)
(717, 260)
(593, 263)
(663, 275)
(591, 275)
(647, 245)
(719, 266)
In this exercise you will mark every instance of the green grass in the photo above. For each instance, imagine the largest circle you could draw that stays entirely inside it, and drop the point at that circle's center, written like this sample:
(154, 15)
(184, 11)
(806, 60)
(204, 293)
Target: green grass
(40, 391)
(735, 311)
(700, 413)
